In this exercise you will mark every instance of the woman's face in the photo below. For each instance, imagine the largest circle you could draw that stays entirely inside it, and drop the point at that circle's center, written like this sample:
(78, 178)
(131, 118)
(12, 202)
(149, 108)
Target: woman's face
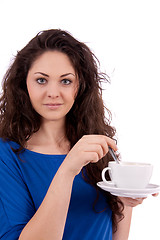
(52, 85)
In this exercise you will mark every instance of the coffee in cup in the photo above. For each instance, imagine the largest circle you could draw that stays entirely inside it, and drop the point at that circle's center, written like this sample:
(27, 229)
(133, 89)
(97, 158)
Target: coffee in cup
(131, 175)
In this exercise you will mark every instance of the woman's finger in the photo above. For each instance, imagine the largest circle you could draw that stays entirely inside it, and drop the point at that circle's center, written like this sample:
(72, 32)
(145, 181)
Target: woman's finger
(103, 140)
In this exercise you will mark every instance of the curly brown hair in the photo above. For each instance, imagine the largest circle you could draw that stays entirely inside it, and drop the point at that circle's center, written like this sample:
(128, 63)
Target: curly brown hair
(18, 119)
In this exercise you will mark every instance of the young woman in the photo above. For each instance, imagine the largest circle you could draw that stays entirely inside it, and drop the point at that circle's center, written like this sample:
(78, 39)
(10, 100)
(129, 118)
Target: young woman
(54, 145)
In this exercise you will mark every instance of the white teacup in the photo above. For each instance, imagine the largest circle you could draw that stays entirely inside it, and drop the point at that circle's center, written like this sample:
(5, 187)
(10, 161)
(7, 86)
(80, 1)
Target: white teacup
(130, 175)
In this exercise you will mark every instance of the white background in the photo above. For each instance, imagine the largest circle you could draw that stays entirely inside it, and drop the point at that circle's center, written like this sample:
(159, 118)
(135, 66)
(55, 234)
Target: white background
(124, 35)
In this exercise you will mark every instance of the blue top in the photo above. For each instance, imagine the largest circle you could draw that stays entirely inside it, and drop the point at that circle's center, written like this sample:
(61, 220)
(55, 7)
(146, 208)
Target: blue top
(23, 185)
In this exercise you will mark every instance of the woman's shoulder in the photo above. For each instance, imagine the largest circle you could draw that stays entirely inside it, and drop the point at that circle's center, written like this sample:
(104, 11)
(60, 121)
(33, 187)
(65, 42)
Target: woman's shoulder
(9, 162)
(4, 144)
(6, 150)
(7, 144)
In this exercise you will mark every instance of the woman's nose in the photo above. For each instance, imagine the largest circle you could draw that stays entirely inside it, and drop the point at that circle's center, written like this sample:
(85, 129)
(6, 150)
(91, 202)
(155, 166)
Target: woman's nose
(53, 91)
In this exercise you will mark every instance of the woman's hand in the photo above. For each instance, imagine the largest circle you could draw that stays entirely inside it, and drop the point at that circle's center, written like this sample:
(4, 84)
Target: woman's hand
(130, 202)
(90, 148)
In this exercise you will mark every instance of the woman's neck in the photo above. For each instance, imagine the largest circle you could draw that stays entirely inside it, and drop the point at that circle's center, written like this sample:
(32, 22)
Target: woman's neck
(49, 139)
(52, 131)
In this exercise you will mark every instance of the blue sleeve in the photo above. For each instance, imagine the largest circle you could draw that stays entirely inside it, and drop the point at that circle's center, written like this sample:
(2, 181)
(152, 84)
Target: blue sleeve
(16, 205)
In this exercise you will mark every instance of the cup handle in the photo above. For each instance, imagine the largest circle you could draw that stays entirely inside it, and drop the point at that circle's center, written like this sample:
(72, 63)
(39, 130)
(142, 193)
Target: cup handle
(109, 183)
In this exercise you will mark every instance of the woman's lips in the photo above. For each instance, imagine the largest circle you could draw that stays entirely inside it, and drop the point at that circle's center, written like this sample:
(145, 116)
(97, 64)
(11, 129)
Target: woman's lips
(53, 105)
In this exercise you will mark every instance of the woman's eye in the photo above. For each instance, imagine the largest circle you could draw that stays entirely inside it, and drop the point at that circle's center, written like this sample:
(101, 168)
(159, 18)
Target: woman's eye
(66, 81)
(41, 80)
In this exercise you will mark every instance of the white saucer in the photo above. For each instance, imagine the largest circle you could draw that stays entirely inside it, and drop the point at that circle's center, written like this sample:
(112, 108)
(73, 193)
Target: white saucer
(133, 193)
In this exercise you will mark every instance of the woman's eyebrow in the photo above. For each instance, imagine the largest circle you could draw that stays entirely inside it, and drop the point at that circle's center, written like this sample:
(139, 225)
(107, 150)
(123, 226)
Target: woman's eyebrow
(44, 74)
(66, 74)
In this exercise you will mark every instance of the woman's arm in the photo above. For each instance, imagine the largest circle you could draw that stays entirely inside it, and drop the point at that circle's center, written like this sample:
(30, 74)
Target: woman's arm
(49, 220)
(123, 228)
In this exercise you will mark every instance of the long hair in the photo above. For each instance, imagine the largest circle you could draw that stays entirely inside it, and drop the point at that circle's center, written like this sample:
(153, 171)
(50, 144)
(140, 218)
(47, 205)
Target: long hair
(18, 119)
